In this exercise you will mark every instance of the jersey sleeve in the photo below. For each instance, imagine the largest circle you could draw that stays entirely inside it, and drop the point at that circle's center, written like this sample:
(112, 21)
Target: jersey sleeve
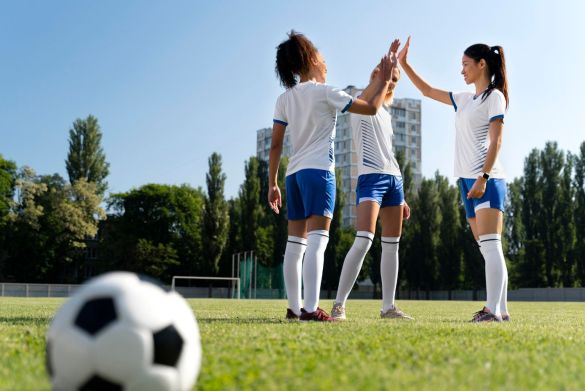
(338, 99)
(279, 113)
(496, 105)
(457, 98)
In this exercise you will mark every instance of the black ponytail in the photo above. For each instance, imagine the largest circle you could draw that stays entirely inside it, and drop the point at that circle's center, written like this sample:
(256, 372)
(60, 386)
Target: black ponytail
(496, 63)
(293, 58)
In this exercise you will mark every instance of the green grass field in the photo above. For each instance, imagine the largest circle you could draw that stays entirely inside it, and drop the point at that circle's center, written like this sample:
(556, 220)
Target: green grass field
(248, 345)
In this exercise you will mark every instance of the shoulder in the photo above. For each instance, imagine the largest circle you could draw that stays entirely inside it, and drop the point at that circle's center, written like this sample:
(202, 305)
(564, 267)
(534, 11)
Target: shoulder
(497, 95)
(497, 99)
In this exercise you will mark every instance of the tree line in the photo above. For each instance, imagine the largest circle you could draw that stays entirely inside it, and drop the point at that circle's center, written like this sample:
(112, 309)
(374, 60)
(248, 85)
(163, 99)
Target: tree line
(58, 230)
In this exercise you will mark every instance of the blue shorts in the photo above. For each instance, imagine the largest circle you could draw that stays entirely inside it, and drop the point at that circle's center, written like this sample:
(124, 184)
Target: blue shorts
(494, 196)
(310, 192)
(385, 189)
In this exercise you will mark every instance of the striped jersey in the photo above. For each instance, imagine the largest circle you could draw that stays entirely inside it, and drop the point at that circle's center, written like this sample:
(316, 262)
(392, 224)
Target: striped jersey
(372, 135)
(472, 121)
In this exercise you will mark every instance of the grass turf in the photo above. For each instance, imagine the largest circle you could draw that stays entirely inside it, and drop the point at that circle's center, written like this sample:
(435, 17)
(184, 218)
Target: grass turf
(248, 345)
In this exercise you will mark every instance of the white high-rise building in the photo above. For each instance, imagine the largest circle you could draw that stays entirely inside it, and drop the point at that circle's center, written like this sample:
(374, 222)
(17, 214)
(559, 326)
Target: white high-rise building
(406, 123)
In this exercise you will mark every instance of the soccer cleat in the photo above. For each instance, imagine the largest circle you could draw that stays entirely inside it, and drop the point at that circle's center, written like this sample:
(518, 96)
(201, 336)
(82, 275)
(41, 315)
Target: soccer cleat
(484, 315)
(395, 313)
(318, 316)
(290, 315)
(338, 311)
(506, 318)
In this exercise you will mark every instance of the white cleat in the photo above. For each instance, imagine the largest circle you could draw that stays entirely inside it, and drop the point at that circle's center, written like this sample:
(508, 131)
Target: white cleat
(395, 313)
(338, 311)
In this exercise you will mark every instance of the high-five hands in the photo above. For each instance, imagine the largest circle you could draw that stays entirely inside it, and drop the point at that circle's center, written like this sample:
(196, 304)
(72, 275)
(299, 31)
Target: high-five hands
(402, 56)
(388, 62)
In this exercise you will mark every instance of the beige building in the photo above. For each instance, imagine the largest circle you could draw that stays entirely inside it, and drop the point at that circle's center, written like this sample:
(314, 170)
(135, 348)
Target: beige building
(406, 123)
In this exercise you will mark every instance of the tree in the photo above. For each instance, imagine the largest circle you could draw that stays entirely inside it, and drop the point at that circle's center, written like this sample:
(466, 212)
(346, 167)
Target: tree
(422, 268)
(407, 226)
(552, 161)
(565, 234)
(332, 265)
(155, 228)
(252, 211)
(86, 158)
(51, 222)
(449, 251)
(514, 232)
(215, 215)
(531, 269)
(579, 210)
(279, 221)
(7, 188)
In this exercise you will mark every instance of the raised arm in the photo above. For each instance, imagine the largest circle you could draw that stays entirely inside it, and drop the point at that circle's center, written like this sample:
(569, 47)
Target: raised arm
(425, 88)
(373, 96)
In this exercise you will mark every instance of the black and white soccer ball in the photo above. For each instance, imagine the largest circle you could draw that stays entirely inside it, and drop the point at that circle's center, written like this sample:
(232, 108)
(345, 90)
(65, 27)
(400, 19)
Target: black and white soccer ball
(120, 332)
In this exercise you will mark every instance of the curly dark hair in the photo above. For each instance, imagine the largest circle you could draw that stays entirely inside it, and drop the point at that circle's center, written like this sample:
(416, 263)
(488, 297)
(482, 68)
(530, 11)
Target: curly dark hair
(293, 58)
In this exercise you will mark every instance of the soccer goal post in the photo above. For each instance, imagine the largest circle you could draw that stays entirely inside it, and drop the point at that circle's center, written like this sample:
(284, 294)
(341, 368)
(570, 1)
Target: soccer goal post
(233, 279)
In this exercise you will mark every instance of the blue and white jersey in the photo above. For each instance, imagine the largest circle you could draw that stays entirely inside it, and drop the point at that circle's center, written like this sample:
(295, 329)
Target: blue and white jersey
(472, 122)
(309, 110)
(372, 135)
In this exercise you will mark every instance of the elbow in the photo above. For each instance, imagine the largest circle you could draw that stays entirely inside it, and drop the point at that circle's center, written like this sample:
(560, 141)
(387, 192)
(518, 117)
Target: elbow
(426, 92)
(372, 110)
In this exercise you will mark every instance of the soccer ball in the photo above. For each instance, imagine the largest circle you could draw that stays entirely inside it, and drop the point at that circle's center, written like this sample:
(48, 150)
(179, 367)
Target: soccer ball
(122, 332)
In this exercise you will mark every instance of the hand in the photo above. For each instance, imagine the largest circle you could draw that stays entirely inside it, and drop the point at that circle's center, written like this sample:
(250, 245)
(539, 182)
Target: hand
(274, 198)
(478, 188)
(386, 67)
(406, 211)
(394, 47)
(402, 56)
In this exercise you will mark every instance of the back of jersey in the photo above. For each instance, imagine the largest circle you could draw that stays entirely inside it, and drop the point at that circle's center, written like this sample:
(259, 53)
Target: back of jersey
(309, 110)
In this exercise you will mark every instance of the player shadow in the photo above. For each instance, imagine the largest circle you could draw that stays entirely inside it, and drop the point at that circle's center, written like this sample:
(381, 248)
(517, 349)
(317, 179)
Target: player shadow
(242, 320)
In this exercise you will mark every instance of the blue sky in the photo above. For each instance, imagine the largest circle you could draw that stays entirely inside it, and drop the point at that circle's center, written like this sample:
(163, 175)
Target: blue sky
(173, 82)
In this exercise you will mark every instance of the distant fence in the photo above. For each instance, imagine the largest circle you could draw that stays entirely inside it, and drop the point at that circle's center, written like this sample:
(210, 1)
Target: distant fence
(9, 289)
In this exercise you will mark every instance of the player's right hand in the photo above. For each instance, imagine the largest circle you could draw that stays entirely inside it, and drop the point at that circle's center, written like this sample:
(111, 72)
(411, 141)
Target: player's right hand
(403, 54)
(274, 198)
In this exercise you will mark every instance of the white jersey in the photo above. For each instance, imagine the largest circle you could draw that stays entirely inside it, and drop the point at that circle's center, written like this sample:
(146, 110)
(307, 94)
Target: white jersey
(309, 110)
(372, 135)
(472, 121)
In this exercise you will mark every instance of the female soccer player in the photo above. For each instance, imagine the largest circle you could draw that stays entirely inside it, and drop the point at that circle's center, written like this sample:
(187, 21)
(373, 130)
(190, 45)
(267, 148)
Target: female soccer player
(479, 122)
(309, 108)
(379, 190)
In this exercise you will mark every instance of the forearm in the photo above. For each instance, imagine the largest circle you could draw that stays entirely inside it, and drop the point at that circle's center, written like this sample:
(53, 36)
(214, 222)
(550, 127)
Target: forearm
(492, 154)
(418, 81)
(273, 163)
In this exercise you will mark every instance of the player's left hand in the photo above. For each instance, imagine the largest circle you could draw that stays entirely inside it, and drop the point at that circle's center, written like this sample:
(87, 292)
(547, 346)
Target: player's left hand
(478, 188)
(406, 211)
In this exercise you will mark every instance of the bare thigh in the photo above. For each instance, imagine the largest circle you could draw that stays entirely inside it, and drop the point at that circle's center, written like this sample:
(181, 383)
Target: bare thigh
(367, 214)
(489, 221)
(392, 220)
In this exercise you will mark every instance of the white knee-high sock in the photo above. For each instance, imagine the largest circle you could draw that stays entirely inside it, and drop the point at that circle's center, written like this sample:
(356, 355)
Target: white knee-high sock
(293, 260)
(352, 264)
(504, 300)
(313, 267)
(495, 270)
(389, 270)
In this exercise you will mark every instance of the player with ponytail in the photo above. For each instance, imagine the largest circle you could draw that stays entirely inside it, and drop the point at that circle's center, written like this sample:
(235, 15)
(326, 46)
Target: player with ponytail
(479, 125)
